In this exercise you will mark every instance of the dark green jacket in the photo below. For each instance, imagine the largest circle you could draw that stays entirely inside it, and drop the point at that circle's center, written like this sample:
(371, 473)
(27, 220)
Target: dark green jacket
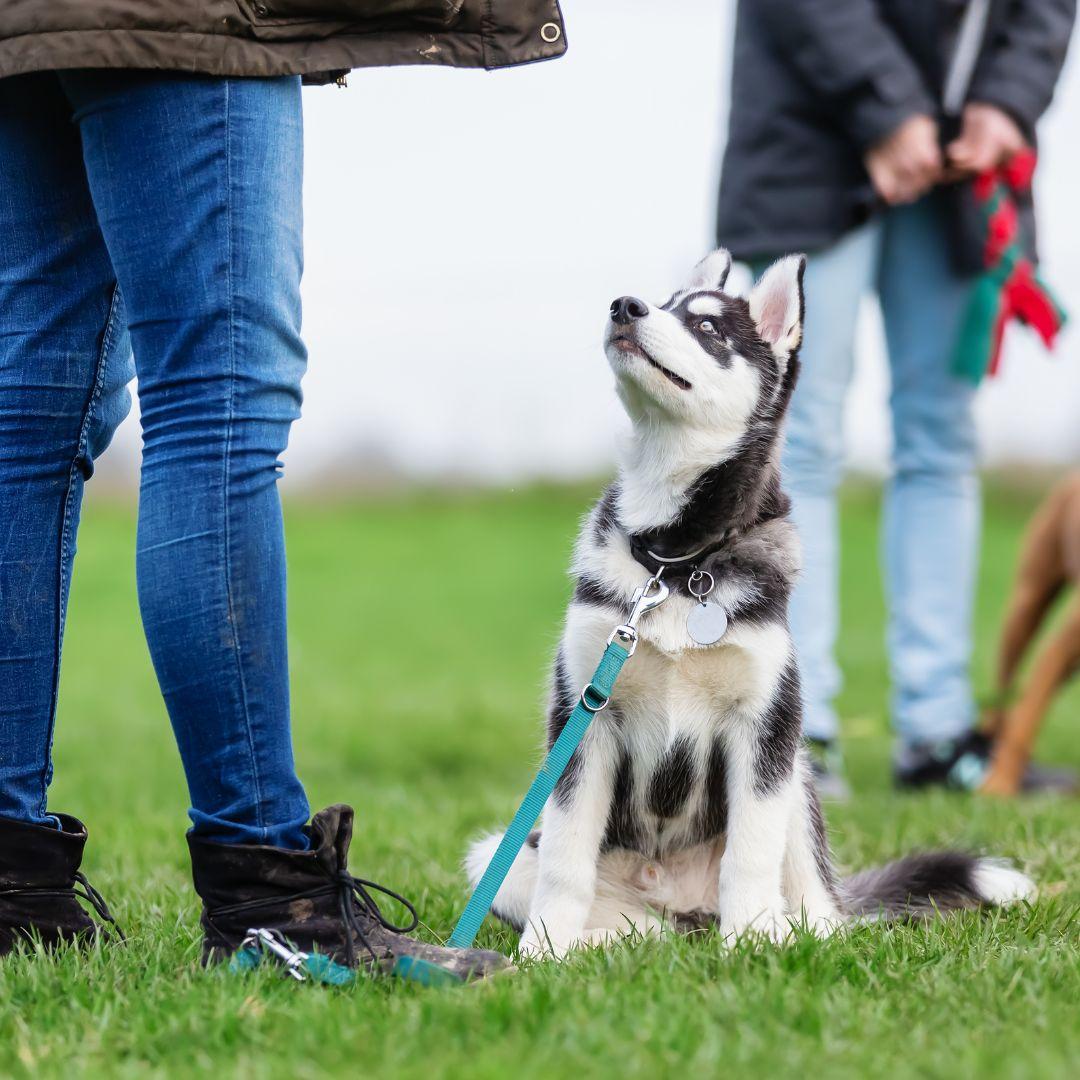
(319, 39)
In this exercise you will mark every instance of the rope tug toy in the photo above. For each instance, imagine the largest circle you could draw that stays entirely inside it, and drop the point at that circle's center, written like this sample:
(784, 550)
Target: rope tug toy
(1010, 288)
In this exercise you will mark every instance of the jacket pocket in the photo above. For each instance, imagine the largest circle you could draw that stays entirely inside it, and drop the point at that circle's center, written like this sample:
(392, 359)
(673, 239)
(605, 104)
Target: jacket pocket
(283, 19)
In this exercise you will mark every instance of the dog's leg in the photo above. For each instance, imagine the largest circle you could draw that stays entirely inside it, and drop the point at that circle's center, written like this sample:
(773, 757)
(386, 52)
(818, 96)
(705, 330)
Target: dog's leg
(750, 894)
(1012, 749)
(1040, 576)
(574, 824)
(762, 795)
(810, 887)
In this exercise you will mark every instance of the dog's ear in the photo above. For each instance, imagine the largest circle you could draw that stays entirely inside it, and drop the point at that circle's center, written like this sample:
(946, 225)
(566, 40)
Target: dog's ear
(711, 272)
(776, 306)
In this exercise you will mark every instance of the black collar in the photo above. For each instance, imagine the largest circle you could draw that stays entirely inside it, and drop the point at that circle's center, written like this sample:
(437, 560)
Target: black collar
(672, 562)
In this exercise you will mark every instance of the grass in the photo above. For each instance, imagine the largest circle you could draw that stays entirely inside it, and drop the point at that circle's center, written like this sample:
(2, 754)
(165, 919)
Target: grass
(421, 628)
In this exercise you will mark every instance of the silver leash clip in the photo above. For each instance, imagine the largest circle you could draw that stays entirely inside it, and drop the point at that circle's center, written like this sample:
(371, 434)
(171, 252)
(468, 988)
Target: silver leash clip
(646, 597)
(262, 940)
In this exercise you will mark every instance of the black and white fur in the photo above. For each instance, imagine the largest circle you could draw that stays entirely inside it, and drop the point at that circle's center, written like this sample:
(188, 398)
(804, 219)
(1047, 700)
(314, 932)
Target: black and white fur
(690, 801)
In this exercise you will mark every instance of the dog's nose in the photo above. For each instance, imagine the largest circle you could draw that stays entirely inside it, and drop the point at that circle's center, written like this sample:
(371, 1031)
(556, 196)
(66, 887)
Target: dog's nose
(627, 308)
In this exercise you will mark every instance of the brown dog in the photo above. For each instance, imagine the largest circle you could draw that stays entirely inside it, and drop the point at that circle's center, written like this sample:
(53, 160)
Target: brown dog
(1049, 560)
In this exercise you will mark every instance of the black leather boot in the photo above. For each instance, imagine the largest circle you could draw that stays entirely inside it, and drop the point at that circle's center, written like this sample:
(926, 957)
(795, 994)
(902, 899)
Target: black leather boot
(310, 899)
(41, 885)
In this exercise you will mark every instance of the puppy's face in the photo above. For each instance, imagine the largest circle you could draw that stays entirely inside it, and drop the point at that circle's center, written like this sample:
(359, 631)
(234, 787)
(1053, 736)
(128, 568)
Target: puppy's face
(704, 359)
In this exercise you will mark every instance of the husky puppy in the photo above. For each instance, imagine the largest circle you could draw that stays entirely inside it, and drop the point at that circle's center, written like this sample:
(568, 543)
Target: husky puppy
(690, 800)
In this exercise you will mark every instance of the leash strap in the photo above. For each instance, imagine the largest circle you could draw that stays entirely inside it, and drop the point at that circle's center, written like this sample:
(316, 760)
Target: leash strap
(593, 698)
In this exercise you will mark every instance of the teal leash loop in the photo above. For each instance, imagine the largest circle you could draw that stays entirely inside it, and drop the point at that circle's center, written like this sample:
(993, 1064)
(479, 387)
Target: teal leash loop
(595, 697)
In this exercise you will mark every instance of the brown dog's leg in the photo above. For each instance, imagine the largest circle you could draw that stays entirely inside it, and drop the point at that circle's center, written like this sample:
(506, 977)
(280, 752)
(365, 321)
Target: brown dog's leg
(1012, 748)
(1040, 575)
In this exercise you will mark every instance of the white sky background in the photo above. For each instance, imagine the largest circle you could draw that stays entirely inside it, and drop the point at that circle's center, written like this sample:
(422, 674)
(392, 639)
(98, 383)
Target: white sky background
(466, 232)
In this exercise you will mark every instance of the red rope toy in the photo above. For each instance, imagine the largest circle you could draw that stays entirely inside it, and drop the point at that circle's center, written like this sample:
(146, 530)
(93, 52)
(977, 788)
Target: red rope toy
(1010, 288)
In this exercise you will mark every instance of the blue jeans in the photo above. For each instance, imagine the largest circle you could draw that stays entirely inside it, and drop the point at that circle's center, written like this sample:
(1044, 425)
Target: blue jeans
(931, 520)
(158, 215)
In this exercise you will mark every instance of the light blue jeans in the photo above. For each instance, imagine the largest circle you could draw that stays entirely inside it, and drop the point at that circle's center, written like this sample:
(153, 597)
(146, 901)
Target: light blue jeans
(931, 519)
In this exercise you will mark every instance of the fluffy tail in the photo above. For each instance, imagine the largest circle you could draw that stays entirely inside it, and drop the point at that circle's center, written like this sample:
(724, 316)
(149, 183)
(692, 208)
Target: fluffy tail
(920, 885)
(514, 898)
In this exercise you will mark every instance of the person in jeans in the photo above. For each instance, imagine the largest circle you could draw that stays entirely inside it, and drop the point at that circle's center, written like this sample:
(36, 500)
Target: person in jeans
(837, 147)
(151, 163)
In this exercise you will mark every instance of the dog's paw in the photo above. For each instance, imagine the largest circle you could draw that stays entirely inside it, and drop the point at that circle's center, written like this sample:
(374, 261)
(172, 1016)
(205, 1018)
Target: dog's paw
(767, 924)
(821, 920)
(824, 926)
(530, 946)
(539, 943)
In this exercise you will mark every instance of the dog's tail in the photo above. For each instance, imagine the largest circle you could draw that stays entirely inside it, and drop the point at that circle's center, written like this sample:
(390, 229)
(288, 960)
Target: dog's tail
(922, 884)
(514, 898)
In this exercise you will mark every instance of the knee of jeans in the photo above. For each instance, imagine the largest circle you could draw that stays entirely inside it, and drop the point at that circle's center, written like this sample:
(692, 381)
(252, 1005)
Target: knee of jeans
(223, 384)
(934, 436)
(240, 425)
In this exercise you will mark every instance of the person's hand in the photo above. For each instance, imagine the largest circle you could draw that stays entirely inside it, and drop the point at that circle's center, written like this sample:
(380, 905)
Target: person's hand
(906, 163)
(988, 138)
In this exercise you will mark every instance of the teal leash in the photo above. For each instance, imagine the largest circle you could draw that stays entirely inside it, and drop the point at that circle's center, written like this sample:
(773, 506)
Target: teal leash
(594, 697)
(305, 967)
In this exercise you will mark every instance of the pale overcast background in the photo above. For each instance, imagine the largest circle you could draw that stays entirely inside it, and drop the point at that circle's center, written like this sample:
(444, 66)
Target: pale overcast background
(467, 230)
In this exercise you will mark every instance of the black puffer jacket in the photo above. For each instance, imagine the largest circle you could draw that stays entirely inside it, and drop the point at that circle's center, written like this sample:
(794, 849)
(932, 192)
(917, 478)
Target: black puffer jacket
(817, 82)
(315, 38)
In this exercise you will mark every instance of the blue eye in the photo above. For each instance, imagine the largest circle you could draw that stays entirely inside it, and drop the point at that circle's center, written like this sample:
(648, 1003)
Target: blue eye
(706, 327)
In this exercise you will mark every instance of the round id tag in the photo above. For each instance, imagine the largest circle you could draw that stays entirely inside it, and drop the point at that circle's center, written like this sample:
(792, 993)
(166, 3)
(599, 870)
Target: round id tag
(707, 623)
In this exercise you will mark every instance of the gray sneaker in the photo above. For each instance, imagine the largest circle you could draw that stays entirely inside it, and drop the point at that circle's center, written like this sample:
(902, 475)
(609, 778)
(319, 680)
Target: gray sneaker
(827, 765)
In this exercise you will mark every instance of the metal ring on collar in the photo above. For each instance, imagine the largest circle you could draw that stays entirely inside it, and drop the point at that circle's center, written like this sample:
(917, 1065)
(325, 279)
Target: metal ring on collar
(591, 706)
(699, 576)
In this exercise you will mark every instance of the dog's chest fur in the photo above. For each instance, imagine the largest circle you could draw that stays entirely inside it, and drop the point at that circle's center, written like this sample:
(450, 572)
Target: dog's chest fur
(679, 709)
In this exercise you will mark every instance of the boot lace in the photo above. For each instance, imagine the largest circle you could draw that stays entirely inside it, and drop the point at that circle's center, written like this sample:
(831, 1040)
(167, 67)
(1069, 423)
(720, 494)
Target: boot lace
(353, 893)
(355, 906)
(73, 892)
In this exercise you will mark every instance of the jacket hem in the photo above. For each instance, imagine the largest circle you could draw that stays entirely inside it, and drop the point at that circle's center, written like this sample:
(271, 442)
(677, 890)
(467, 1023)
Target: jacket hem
(767, 247)
(226, 55)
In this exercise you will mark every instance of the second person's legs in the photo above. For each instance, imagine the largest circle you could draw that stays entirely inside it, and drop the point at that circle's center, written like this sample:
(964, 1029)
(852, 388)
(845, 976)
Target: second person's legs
(197, 187)
(931, 530)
